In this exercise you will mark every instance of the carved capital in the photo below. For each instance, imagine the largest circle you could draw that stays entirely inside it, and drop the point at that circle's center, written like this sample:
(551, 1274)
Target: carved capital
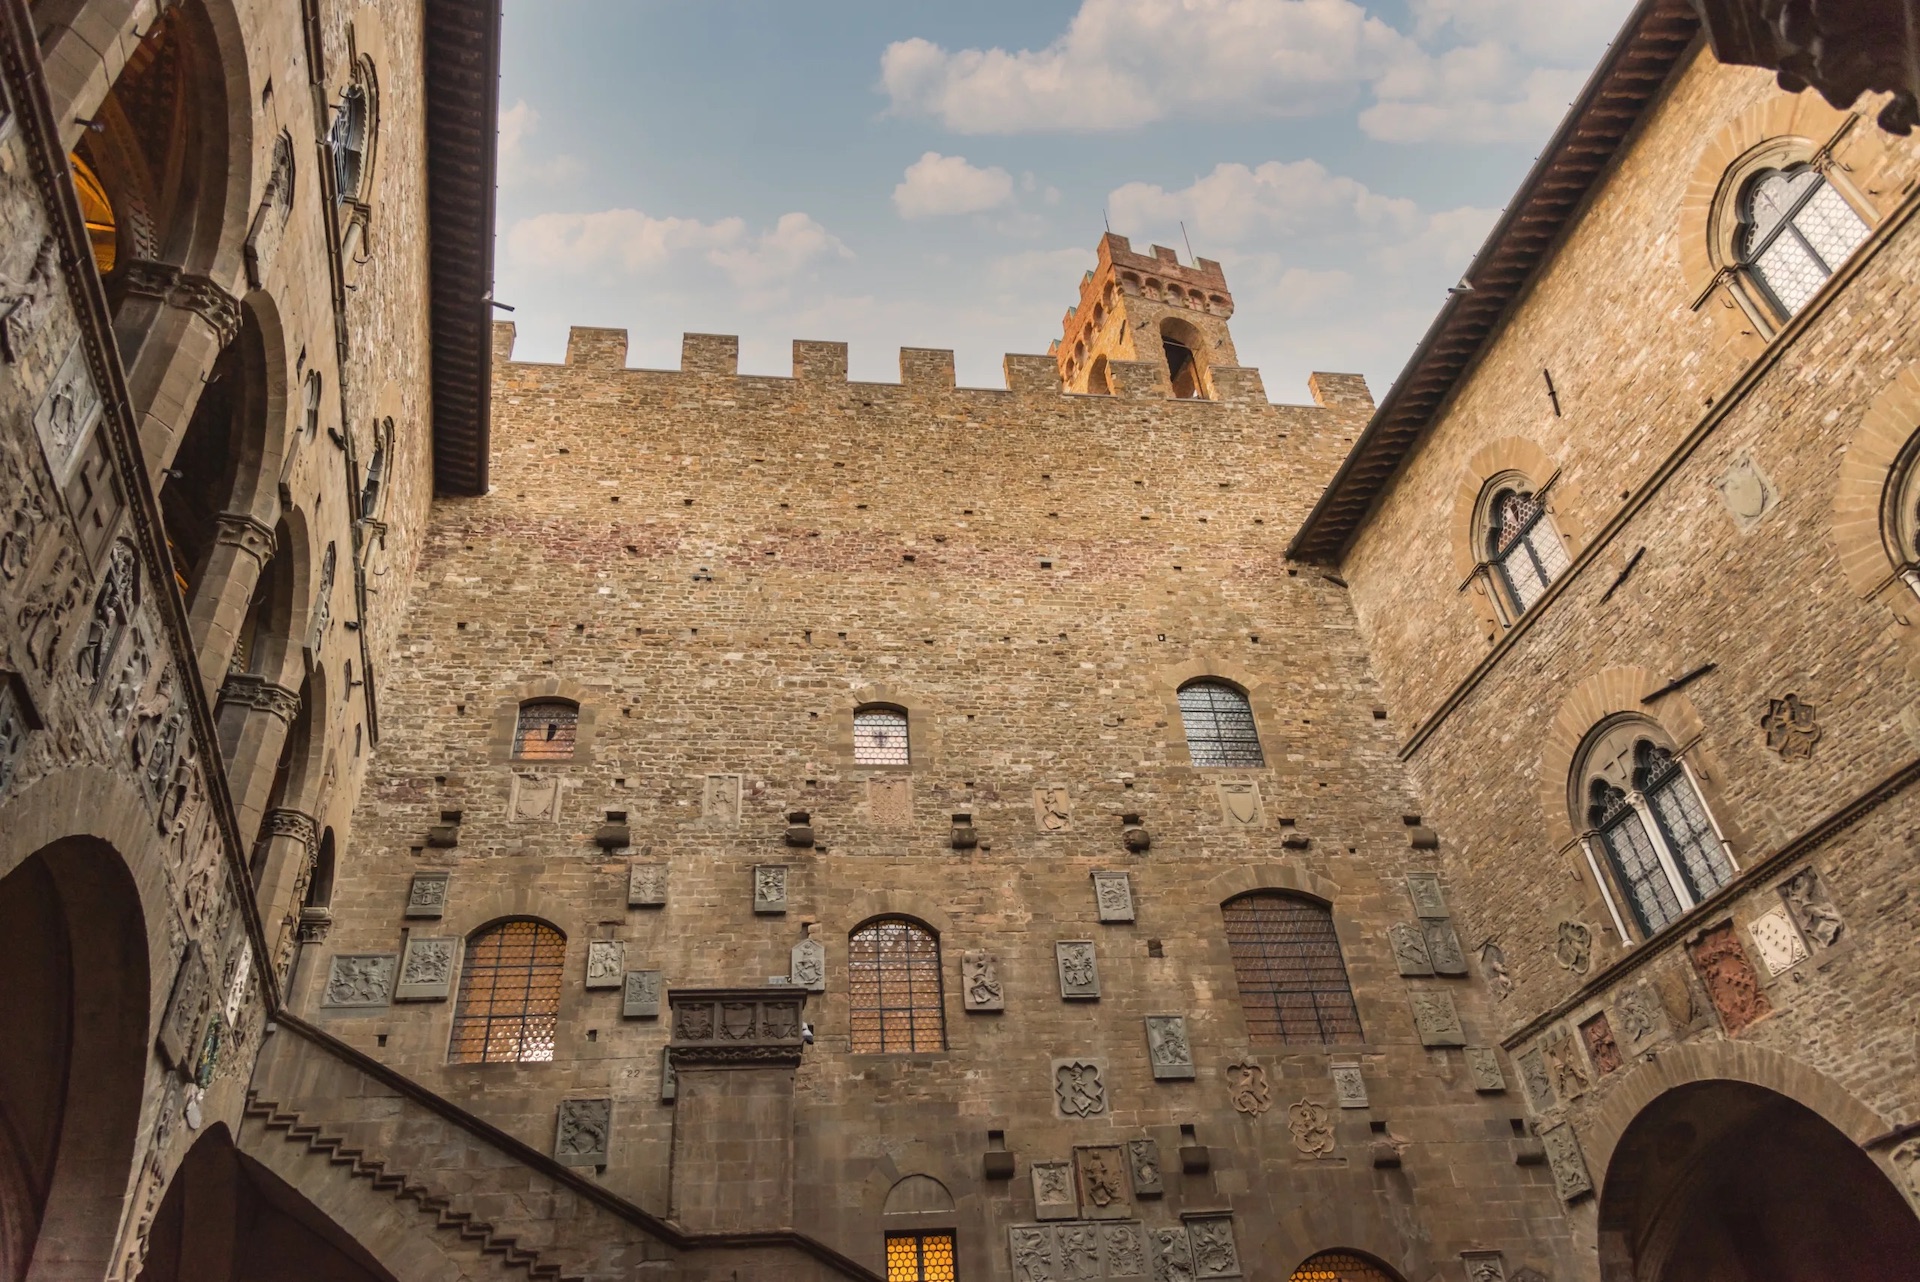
(187, 291)
(299, 825)
(147, 278)
(259, 694)
(238, 530)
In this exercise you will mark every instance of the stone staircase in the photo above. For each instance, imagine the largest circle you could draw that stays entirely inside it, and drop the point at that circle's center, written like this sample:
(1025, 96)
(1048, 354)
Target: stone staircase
(433, 1192)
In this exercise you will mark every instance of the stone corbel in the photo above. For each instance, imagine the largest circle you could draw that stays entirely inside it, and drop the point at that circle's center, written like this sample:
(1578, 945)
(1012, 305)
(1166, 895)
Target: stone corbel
(255, 693)
(186, 291)
(238, 530)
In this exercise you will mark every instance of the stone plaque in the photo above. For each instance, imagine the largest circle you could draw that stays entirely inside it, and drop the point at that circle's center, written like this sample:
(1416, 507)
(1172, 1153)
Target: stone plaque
(1637, 1017)
(1312, 1128)
(67, 414)
(1113, 896)
(427, 895)
(426, 968)
(1483, 1069)
(1167, 1047)
(1602, 1049)
(1053, 1195)
(606, 963)
(1424, 889)
(1214, 1253)
(720, 800)
(980, 981)
(534, 798)
(360, 979)
(1484, 1266)
(1777, 940)
(770, 888)
(1443, 947)
(1732, 985)
(1080, 1087)
(669, 1081)
(1747, 492)
(1434, 1015)
(1349, 1086)
(1030, 1250)
(1409, 949)
(1172, 1254)
(1101, 1172)
(1569, 1165)
(586, 1126)
(807, 965)
(646, 885)
(1247, 1087)
(1126, 1251)
(1079, 973)
(1533, 1072)
(890, 802)
(1052, 809)
(1240, 804)
(1564, 1066)
(1806, 898)
(1143, 1168)
(1079, 1249)
(640, 996)
(186, 1008)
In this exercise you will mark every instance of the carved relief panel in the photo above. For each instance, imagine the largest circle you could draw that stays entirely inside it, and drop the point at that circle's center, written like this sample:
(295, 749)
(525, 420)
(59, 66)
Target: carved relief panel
(1052, 809)
(980, 987)
(1143, 1168)
(1168, 1050)
(640, 995)
(1080, 1087)
(584, 1132)
(770, 888)
(890, 802)
(1349, 1086)
(1113, 896)
(426, 968)
(1569, 1165)
(1409, 945)
(1240, 804)
(1054, 1197)
(720, 800)
(1777, 940)
(606, 963)
(1732, 985)
(1215, 1254)
(807, 965)
(1101, 1173)
(427, 894)
(533, 798)
(1436, 1019)
(1079, 972)
(360, 979)
(646, 885)
(1483, 1070)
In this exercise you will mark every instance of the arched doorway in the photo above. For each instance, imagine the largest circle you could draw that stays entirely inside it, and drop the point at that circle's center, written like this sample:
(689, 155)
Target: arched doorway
(1723, 1181)
(1343, 1266)
(73, 948)
(226, 1218)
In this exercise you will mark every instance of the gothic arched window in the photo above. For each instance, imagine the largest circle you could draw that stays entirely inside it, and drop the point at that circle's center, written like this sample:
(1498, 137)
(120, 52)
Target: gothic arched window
(1522, 542)
(350, 139)
(546, 730)
(880, 737)
(1293, 980)
(893, 988)
(1641, 805)
(509, 1004)
(1795, 231)
(373, 482)
(1219, 725)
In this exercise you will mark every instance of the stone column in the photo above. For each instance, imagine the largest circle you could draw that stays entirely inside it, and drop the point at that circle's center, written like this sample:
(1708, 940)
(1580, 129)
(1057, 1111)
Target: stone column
(253, 717)
(734, 1052)
(292, 841)
(171, 327)
(242, 547)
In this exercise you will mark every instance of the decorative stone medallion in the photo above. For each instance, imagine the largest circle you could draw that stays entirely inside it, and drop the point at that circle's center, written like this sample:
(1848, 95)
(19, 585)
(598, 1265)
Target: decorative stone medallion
(1079, 971)
(1052, 809)
(980, 988)
(606, 963)
(640, 995)
(1240, 803)
(1113, 896)
(1247, 1087)
(427, 894)
(646, 885)
(1777, 940)
(1168, 1050)
(1312, 1128)
(426, 968)
(770, 888)
(1573, 947)
(585, 1128)
(360, 979)
(1080, 1087)
(1053, 1193)
(1349, 1086)
(1792, 727)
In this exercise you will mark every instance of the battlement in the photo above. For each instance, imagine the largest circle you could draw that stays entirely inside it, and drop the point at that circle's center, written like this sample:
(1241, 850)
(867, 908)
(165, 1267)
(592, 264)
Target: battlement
(923, 370)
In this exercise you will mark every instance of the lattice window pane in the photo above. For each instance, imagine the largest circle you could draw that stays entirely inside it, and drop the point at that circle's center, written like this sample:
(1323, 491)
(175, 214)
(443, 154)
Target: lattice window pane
(1219, 725)
(1683, 821)
(547, 730)
(1549, 553)
(894, 989)
(509, 1000)
(1523, 578)
(1771, 199)
(1649, 893)
(1830, 225)
(1340, 1266)
(880, 737)
(1525, 545)
(1788, 269)
(1293, 980)
(920, 1257)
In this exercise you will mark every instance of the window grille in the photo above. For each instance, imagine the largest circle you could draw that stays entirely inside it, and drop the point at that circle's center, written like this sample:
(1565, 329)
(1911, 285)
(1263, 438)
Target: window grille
(1798, 231)
(547, 730)
(1340, 1266)
(920, 1257)
(1293, 981)
(893, 988)
(376, 472)
(509, 994)
(1524, 544)
(1219, 725)
(1635, 862)
(1661, 846)
(1676, 806)
(347, 139)
(880, 737)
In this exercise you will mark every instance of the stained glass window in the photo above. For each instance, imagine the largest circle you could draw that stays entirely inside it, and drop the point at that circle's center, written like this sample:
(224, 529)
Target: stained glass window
(920, 1257)
(1798, 230)
(1219, 725)
(880, 737)
(893, 988)
(509, 994)
(1293, 980)
(546, 730)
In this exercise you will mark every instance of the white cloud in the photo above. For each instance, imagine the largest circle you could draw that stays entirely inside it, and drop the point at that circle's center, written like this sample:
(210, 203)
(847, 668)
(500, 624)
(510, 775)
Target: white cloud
(936, 185)
(521, 163)
(1477, 93)
(636, 242)
(1564, 30)
(1235, 203)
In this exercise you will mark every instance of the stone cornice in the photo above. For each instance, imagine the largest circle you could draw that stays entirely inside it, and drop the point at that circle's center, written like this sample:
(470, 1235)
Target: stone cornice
(736, 1027)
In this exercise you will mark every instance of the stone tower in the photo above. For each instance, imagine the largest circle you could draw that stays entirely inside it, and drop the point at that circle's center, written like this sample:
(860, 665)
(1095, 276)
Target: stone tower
(1152, 312)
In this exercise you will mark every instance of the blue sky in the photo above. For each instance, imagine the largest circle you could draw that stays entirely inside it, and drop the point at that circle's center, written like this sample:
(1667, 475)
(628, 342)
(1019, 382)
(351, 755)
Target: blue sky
(891, 173)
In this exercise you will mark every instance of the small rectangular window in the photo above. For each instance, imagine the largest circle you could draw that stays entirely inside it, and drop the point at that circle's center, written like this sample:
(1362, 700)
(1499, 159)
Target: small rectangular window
(546, 730)
(880, 737)
(920, 1257)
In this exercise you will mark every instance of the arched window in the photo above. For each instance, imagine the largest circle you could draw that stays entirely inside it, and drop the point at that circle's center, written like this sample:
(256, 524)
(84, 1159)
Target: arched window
(1523, 544)
(509, 994)
(1219, 725)
(1099, 378)
(880, 737)
(1186, 362)
(1795, 231)
(1341, 1266)
(310, 417)
(1293, 980)
(1900, 513)
(893, 988)
(1639, 804)
(350, 138)
(371, 485)
(96, 207)
(546, 730)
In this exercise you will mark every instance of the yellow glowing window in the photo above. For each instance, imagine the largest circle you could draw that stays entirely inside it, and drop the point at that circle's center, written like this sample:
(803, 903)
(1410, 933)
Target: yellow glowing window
(546, 730)
(97, 209)
(509, 1004)
(1340, 1266)
(920, 1257)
